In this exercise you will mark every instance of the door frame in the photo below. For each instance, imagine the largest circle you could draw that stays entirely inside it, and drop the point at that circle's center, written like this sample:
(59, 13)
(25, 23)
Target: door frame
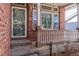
(25, 22)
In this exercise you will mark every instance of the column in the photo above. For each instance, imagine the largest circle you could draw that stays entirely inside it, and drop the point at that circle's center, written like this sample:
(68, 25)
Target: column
(38, 21)
(77, 16)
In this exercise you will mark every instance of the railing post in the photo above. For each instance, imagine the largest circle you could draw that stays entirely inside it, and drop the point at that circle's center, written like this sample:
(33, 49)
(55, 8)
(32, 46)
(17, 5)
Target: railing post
(38, 24)
(37, 37)
(36, 43)
(50, 48)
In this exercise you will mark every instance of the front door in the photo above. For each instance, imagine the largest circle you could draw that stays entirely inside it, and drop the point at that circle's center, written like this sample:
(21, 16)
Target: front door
(19, 22)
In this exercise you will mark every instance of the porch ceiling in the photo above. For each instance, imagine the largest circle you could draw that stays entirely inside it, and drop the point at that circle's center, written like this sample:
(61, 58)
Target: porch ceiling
(59, 4)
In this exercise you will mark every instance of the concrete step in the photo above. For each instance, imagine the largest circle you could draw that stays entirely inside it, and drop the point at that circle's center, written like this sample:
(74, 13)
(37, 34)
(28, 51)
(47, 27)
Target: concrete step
(23, 50)
(43, 51)
(29, 51)
(26, 48)
(22, 47)
(22, 42)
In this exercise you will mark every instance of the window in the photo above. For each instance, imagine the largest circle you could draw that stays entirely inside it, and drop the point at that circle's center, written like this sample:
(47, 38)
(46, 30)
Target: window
(55, 9)
(49, 18)
(19, 4)
(71, 17)
(35, 6)
(18, 22)
(46, 20)
(46, 7)
(55, 21)
(35, 17)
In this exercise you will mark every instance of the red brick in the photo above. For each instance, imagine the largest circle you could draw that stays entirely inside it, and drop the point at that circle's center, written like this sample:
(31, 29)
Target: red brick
(61, 17)
(4, 29)
(31, 32)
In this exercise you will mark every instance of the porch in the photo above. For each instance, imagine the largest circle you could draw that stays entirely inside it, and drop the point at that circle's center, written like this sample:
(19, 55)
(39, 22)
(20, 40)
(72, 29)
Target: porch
(48, 37)
(63, 43)
(39, 29)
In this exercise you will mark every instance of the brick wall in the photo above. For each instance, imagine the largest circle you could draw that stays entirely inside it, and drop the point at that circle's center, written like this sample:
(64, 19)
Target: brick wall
(30, 32)
(4, 29)
(61, 17)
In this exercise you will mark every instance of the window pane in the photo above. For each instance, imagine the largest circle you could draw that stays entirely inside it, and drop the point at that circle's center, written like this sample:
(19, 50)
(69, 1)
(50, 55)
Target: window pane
(56, 22)
(18, 22)
(35, 16)
(46, 20)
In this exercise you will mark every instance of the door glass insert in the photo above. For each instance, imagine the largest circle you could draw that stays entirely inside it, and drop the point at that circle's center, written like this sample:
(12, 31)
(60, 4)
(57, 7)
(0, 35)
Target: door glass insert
(18, 22)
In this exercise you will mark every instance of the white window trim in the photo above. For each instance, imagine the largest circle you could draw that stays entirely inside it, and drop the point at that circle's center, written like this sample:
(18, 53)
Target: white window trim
(41, 21)
(25, 22)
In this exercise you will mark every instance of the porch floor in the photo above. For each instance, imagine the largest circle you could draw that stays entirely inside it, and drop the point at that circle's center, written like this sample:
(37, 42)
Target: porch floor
(27, 48)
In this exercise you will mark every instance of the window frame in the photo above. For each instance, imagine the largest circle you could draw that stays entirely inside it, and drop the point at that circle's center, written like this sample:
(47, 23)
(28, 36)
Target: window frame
(51, 20)
(25, 22)
(52, 12)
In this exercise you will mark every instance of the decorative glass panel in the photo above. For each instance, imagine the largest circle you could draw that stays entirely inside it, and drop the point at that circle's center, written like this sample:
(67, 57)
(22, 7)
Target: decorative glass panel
(18, 22)
(44, 7)
(35, 16)
(35, 5)
(19, 4)
(46, 20)
(55, 9)
(56, 21)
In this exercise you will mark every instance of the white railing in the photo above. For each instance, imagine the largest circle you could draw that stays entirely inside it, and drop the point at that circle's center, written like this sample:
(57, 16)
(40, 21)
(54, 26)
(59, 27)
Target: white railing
(47, 36)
